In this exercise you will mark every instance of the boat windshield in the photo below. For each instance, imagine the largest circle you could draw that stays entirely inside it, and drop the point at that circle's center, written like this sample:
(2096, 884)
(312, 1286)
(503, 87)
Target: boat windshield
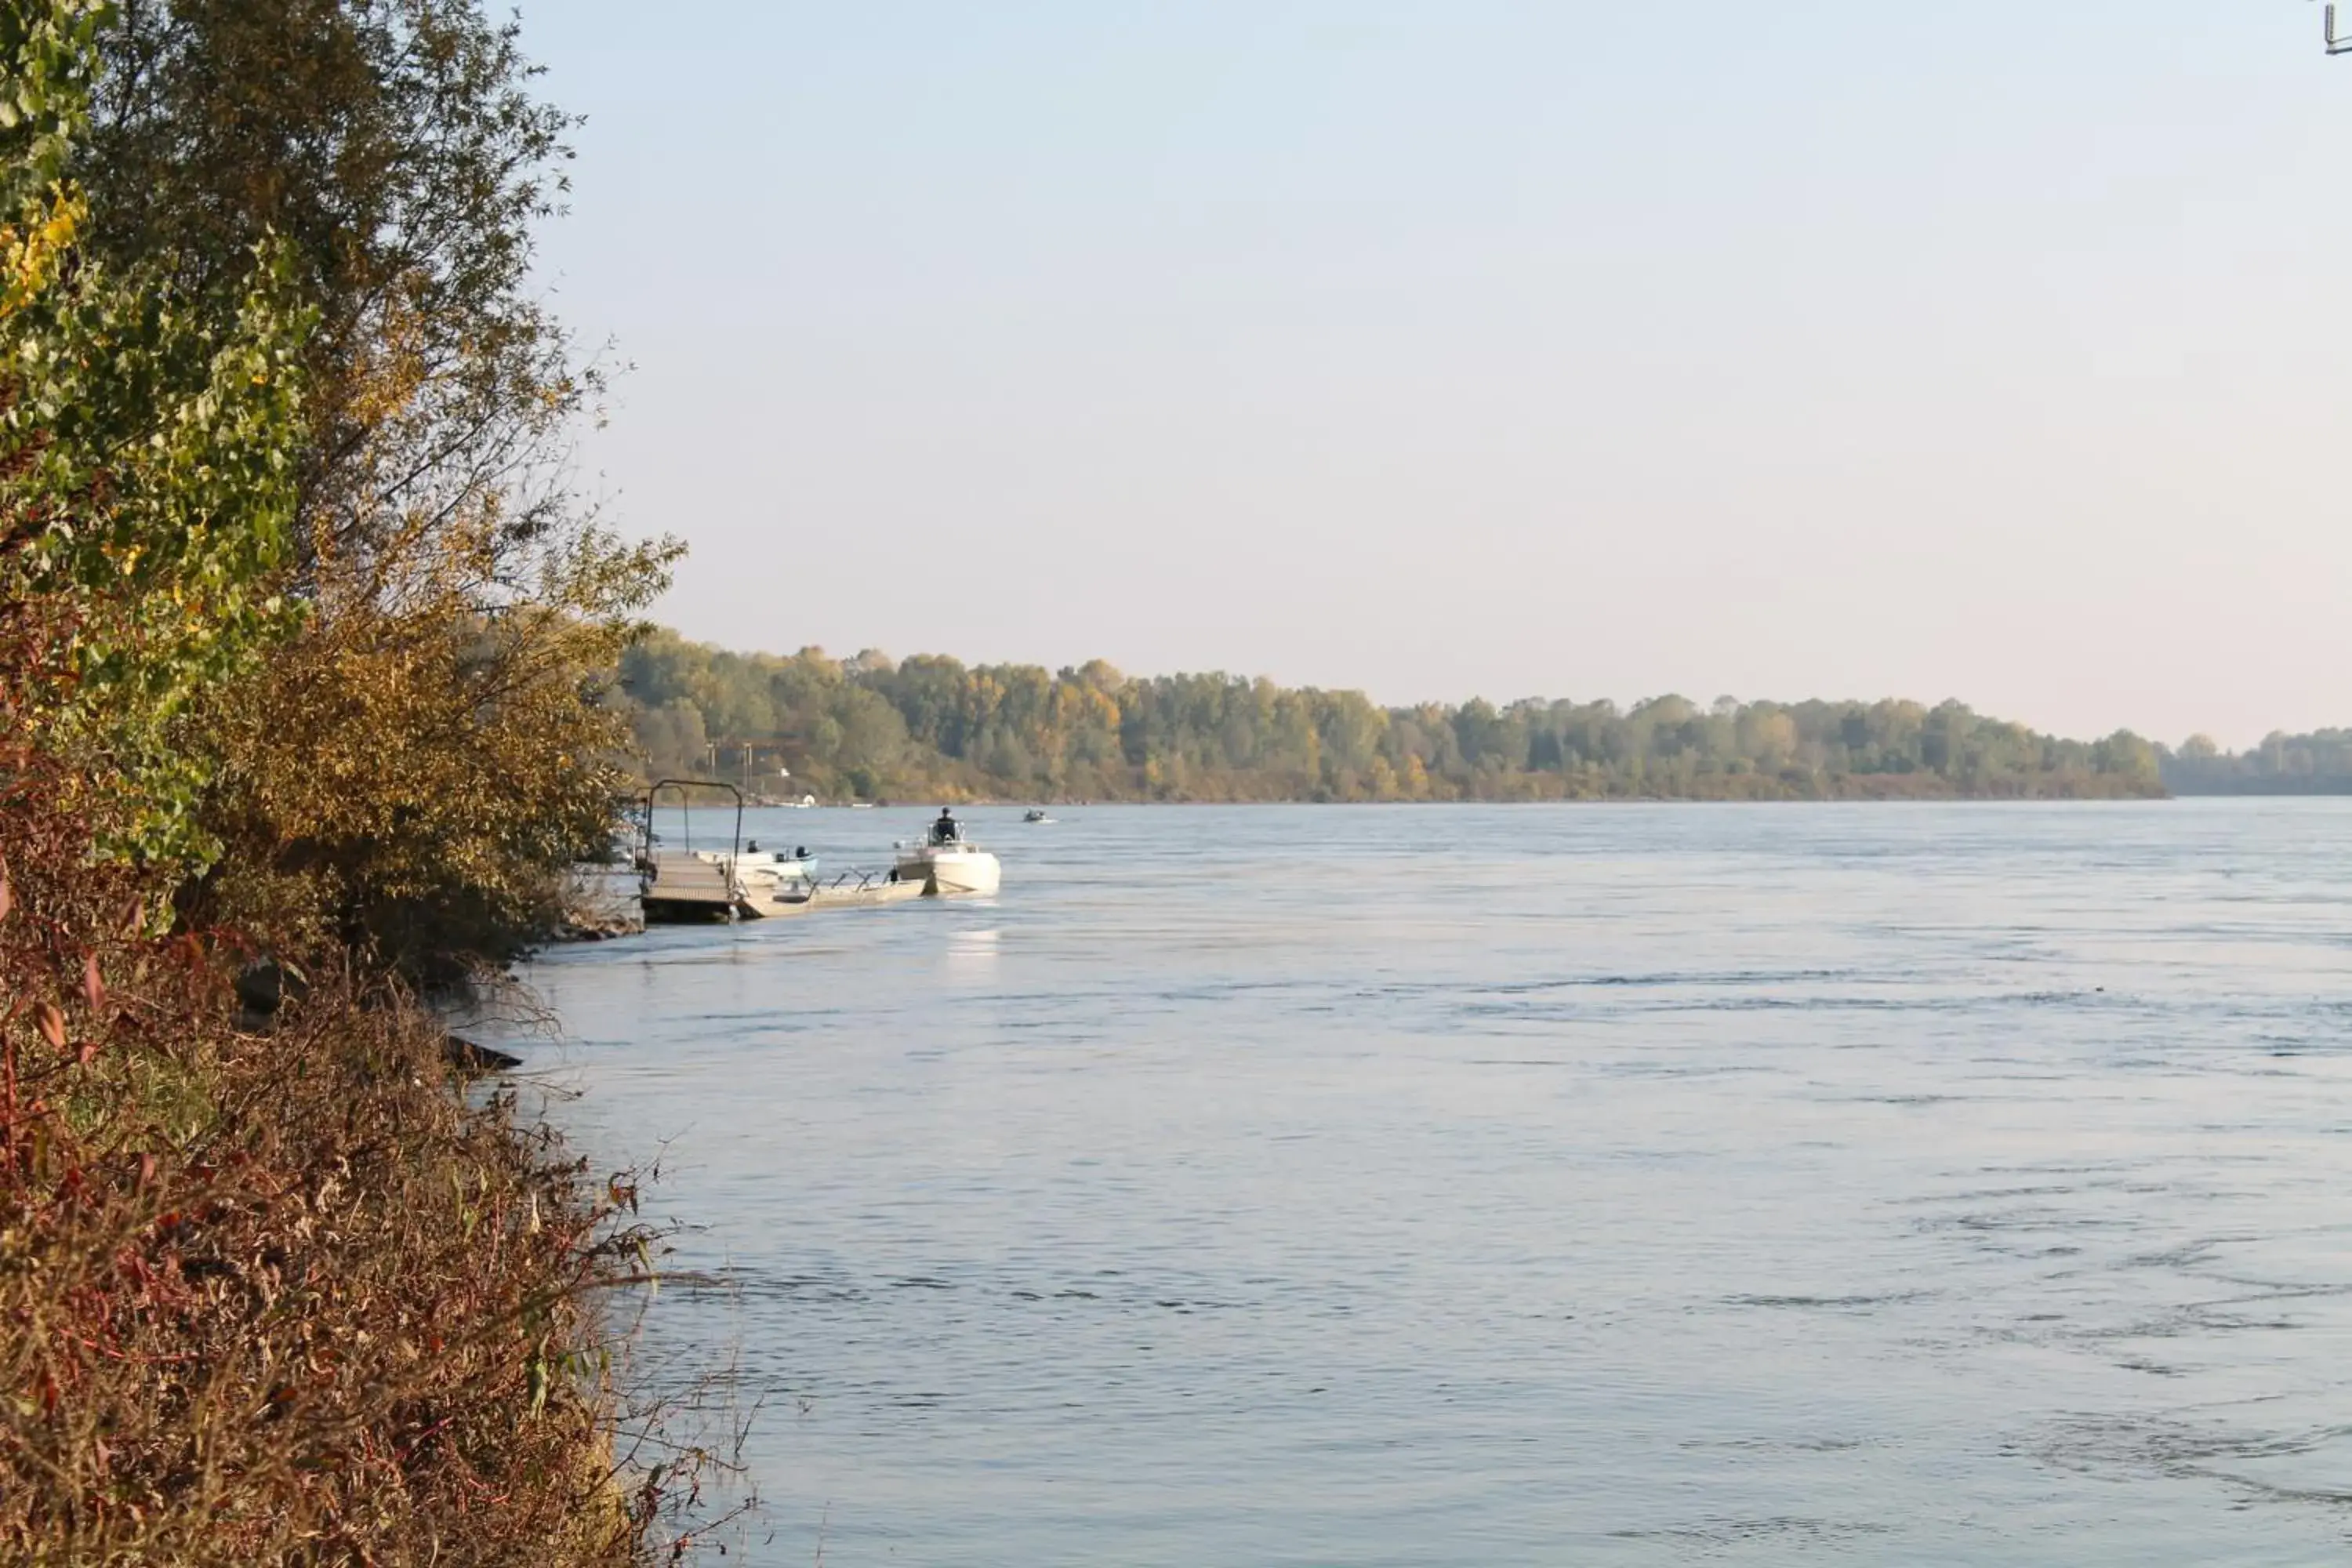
(931, 843)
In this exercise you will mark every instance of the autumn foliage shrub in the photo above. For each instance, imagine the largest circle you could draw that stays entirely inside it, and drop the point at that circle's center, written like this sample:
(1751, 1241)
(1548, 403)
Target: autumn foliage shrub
(274, 1295)
(285, 1288)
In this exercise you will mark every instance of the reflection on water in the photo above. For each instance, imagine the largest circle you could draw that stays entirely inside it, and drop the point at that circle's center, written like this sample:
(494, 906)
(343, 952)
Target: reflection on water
(1917, 1184)
(971, 955)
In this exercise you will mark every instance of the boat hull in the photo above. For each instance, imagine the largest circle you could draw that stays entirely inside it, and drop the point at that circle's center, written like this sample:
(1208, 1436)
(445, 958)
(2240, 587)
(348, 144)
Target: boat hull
(952, 872)
(971, 872)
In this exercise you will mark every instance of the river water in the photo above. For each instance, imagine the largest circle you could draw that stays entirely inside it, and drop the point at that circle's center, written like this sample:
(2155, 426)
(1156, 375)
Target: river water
(1892, 1184)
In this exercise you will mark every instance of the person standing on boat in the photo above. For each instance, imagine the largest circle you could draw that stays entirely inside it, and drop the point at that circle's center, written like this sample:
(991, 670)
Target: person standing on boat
(945, 831)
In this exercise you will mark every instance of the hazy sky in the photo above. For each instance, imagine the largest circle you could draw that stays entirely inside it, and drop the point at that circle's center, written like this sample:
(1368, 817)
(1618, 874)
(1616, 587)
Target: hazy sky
(1841, 348)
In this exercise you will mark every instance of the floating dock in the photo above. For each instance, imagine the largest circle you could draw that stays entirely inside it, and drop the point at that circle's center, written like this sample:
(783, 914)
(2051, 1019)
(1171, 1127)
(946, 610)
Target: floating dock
(743, 884)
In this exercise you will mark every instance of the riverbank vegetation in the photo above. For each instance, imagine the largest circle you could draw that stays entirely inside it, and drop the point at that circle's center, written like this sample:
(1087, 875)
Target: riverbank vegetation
(929, 726)
(304, 716)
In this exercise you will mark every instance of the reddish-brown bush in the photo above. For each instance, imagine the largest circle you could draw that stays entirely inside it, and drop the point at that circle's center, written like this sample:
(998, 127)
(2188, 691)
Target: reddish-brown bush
(274, 1294)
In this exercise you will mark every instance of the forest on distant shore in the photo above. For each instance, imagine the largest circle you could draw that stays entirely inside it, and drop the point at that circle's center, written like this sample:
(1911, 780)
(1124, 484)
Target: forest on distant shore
(930, 727)
(2317, 764)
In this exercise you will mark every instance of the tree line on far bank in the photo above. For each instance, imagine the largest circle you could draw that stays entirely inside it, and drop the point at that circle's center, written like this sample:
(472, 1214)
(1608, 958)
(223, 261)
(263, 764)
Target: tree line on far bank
(2317, 764)
(871, 727)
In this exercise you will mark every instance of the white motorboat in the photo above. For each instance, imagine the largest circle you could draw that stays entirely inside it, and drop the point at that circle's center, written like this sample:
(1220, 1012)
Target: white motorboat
(947, 863)
(1036, 815)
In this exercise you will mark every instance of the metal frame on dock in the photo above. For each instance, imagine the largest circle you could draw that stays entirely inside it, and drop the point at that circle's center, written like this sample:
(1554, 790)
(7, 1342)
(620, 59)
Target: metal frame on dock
(686, 815)
(664, 911)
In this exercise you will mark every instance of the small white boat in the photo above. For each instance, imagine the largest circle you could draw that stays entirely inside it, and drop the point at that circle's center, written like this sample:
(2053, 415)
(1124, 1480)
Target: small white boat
(947, 863)
(771, 876)
(1035, 814)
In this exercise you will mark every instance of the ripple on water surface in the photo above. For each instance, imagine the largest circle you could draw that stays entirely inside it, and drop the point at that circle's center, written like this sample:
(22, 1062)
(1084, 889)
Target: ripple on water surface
(1919, 1184)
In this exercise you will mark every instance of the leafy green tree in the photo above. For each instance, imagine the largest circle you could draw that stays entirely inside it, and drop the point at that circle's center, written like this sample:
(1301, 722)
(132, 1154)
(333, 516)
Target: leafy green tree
(148, 441)
(417, 763)
(396, 151)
